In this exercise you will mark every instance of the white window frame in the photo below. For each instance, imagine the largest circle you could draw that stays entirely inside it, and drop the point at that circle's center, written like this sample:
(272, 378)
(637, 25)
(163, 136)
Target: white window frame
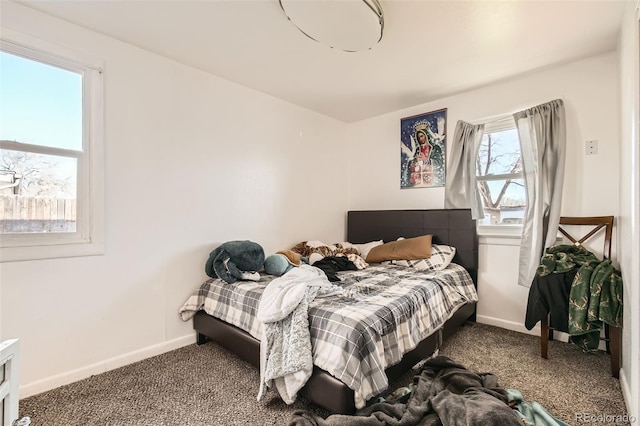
(503, 231)
(89, 236)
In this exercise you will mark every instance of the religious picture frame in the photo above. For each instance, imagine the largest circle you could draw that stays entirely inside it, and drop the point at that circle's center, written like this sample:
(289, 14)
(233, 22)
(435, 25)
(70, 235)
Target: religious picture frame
(422, 150)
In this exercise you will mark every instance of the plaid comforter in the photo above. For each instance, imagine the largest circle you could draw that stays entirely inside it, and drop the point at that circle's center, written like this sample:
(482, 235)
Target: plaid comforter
(383, 313)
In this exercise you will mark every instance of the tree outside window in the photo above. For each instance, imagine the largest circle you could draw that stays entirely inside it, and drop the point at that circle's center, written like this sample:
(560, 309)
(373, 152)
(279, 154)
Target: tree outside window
(499, 175)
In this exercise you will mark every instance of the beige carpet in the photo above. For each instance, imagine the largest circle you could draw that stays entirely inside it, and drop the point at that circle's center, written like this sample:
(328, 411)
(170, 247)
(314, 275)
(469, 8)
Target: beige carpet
(207, 385)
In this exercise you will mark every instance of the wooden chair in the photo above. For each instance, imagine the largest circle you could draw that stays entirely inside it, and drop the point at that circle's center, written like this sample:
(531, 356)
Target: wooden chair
(613, 335)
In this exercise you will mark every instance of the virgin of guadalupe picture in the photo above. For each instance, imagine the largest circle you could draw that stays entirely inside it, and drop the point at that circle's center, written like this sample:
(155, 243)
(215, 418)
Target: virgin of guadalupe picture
(422, 150)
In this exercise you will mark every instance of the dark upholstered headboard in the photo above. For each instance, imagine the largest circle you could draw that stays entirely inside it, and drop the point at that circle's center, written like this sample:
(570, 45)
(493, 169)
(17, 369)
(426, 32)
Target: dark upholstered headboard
(448, 226)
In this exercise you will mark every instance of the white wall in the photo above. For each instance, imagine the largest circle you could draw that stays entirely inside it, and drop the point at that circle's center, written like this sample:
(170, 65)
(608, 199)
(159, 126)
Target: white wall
(191, 161)
(629, 219)
(589, 90)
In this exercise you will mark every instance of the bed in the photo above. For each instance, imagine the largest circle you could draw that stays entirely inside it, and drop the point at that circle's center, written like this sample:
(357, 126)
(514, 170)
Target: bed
(452, 227)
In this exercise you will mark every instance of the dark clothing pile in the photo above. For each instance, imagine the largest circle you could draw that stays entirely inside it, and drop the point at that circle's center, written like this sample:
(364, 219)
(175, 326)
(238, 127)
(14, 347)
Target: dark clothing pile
(549, 294)
(330, 265)
(445, 393)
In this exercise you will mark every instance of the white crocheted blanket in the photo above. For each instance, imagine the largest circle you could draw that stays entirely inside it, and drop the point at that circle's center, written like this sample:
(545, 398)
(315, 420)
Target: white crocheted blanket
(286, 360)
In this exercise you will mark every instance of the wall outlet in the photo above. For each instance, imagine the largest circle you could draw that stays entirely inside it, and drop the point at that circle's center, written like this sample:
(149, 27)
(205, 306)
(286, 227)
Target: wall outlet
(591, 147)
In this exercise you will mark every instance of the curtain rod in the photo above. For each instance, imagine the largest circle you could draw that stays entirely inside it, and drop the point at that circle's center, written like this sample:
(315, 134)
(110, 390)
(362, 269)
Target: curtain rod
(504, 116)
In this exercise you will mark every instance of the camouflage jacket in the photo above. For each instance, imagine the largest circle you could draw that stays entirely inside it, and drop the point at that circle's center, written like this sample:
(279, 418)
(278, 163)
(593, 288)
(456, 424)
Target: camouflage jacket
(596, 292)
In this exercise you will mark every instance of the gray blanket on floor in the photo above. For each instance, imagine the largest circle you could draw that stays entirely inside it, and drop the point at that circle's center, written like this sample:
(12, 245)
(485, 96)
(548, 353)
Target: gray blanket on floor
(446, 394)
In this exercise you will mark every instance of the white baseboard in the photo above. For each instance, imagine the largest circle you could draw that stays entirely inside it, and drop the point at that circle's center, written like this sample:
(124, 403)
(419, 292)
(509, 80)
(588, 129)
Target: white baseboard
(626, 392)
(509, 325)
(62, 379)
(535, 331)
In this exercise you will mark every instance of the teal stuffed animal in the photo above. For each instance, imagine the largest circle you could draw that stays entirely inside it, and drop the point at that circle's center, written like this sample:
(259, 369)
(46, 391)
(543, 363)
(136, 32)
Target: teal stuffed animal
(277, 264)
(282, 262)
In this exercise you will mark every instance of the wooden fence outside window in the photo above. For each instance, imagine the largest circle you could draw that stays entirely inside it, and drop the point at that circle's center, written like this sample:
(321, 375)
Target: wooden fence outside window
(36, 214)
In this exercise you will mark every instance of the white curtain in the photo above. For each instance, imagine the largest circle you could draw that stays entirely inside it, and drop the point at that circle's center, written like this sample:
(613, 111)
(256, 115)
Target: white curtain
(461, 189)
(542, 133)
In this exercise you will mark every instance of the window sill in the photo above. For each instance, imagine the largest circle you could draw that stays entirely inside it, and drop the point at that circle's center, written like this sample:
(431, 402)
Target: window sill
(503, 231)
(504, 235)
(19, 254)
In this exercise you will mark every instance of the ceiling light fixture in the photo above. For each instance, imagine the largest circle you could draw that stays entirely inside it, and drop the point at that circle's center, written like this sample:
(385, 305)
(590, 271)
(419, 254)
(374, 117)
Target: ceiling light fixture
(349, 25)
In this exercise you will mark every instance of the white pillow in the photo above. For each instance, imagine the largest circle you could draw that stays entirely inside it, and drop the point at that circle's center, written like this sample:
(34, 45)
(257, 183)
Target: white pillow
(364, 249)
(441, 257)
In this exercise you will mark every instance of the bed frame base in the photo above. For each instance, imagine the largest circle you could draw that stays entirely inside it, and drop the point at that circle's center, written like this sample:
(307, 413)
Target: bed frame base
(322, 388)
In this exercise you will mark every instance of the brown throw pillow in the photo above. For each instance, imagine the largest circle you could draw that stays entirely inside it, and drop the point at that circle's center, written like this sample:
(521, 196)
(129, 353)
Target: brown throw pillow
(407, 249)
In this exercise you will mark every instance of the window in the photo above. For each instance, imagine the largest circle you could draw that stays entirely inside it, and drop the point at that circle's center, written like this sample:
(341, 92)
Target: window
(51, 177)
(499, 175)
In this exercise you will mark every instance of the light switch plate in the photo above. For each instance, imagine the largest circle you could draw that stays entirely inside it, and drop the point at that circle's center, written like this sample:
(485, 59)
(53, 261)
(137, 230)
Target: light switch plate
(591, 147)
